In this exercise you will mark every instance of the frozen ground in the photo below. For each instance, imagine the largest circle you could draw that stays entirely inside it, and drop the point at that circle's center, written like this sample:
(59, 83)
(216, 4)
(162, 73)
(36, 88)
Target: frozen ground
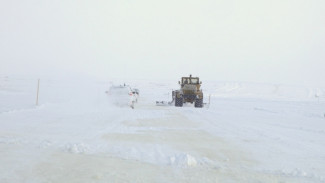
(250, 133)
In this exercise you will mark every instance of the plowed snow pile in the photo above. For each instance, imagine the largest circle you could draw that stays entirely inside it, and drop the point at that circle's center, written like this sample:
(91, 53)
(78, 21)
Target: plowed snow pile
(250, 133)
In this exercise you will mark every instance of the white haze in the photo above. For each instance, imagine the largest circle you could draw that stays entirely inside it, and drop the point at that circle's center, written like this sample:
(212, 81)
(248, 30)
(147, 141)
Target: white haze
(278, 41)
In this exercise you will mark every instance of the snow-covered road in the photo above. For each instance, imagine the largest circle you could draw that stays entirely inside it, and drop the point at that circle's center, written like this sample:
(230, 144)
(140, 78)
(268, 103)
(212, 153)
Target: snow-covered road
(250, 133)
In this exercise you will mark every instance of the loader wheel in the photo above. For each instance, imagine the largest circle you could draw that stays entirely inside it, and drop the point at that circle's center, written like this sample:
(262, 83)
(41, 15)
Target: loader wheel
(198, 103)
(178, 102)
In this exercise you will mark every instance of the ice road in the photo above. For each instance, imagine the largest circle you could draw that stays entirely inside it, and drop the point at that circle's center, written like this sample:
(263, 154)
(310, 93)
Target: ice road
(250, 133)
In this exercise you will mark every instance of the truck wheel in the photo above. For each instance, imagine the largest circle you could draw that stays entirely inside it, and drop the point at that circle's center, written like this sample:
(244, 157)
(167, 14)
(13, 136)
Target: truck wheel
(178, 102)
(198, 103)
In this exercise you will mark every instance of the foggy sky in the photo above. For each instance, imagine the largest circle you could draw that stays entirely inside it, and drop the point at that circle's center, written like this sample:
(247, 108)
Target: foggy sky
(277, 41)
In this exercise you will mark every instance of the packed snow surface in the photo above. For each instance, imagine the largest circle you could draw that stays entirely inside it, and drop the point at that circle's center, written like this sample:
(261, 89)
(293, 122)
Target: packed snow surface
(250, 133)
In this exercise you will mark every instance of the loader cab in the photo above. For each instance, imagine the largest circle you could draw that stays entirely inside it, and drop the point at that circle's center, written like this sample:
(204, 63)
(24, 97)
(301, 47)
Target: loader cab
(190, 80)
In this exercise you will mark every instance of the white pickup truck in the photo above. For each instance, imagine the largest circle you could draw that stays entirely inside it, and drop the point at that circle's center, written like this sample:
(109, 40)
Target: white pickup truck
(123, 95)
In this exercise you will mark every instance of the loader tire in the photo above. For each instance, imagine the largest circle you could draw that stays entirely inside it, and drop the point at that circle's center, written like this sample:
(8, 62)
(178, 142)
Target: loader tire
(198, 103)
(179, 102)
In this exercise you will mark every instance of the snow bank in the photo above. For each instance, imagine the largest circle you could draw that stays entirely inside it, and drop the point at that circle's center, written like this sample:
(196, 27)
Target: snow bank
(183, 160)
(263, 91)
